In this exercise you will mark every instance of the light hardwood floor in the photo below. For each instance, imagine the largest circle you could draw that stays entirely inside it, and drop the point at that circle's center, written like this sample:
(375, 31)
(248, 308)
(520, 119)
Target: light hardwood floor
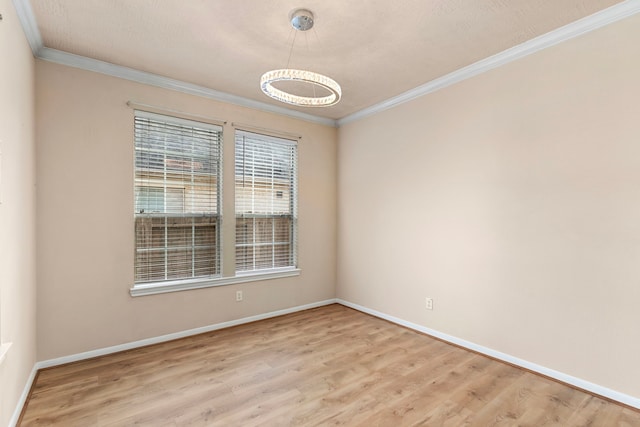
(327, 366)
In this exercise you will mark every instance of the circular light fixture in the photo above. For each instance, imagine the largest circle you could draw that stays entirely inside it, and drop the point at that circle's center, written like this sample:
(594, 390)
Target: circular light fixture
(305, 77)
(301, 20)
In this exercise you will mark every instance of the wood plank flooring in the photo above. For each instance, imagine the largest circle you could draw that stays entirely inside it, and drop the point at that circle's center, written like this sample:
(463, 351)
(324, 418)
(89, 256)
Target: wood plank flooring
(327, 366)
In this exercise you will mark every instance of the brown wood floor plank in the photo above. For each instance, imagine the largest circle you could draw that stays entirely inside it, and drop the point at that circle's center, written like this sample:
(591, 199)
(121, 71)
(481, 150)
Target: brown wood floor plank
(326, 366)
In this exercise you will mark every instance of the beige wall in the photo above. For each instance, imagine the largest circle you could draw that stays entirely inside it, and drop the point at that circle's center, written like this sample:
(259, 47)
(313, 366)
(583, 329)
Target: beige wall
(85, 216)
(513, 200)
(17, 211)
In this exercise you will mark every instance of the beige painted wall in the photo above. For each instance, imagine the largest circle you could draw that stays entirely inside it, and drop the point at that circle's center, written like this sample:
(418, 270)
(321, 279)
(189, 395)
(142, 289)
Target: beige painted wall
(513, 200)
(85, 216)
(17, 211)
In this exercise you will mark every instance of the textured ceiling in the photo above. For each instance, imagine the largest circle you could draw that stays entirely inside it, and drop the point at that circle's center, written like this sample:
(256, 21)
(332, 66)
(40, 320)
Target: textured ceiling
(375, 49)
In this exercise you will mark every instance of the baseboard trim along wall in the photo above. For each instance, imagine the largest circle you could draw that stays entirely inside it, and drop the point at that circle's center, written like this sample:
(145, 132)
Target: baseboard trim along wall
(169, 337)
(149, 341)
(559, 376)
(23, 397)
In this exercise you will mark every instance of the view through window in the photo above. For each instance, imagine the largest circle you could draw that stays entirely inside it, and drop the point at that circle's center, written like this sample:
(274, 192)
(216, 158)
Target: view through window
(177, 198)
(265, 202)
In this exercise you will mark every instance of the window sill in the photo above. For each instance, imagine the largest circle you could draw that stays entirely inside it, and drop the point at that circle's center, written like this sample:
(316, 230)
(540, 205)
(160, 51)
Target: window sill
(184, 285)
(4, 349)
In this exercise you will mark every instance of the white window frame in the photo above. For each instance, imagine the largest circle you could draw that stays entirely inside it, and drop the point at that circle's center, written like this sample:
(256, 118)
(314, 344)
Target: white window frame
(168, 177)
(152, 288)
(261, 177)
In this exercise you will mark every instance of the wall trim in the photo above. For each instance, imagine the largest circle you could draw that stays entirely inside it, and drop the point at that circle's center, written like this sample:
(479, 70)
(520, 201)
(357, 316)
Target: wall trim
(582, 26)
(556, 375)
(149, 341)
(184, 285)
(176, 335)
(559, 376)
(23, 397)
(84, 63)
(577, 28)
(29, 24)
(32, 33)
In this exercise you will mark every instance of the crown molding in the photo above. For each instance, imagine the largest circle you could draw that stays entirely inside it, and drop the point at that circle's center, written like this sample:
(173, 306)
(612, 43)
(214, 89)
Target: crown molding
(585, 25)
(582, 26)
(89, 64)
(29, 24)
(30, 28)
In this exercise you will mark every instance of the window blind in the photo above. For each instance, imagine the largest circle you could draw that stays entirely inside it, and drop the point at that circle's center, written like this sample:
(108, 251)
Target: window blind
(177, 198)
(265, 202)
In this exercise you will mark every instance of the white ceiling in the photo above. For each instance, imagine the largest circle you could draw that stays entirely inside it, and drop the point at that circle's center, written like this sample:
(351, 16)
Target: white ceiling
(375, 49)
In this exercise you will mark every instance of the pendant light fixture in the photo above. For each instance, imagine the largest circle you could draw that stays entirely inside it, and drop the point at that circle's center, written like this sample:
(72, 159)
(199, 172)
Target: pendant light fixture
(301, 20)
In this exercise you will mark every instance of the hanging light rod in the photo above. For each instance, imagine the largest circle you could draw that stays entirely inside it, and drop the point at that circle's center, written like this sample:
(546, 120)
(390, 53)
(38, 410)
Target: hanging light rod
(301, 20)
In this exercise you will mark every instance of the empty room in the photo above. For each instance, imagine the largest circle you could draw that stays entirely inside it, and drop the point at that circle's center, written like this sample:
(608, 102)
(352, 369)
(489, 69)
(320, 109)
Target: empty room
(310, 213)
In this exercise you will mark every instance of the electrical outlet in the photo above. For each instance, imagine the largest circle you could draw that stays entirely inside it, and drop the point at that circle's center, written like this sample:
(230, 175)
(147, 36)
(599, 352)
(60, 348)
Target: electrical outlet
(238, 295)
(429, 304)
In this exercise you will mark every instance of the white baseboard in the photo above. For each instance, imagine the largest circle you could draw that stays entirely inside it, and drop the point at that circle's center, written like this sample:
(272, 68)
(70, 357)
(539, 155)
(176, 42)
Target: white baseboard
(577, 382)
(568, 379)
(23, 397)
(182, 334)
(155, 340)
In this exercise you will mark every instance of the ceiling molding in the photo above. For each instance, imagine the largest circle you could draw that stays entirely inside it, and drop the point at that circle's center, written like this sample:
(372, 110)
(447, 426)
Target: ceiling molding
(29, 24)
(575, 29)
(151, 79)
(30, 28)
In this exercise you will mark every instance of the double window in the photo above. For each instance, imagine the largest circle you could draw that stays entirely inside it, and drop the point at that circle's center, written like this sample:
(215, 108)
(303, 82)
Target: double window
(178, 206)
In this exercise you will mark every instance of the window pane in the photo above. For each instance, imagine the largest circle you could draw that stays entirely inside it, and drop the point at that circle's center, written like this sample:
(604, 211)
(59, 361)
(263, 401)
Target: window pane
(265, 202)
(177, 198)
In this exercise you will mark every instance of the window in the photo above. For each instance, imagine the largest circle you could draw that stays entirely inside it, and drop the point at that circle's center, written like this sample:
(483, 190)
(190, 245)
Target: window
(153, 199)
(265, 202)
(177, 198)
